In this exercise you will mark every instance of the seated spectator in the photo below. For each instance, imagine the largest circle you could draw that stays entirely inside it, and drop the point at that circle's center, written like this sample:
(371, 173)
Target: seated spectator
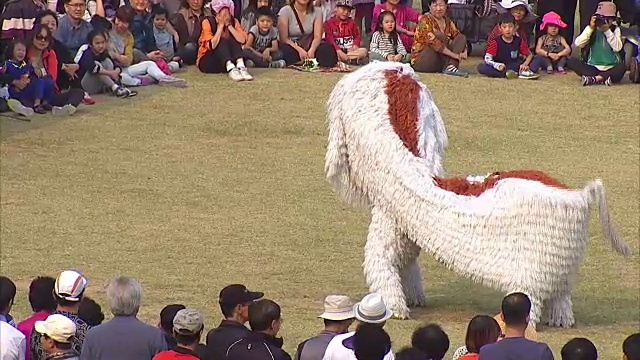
(13, 344)
(165, 42)
(371, 342)
(371, 310)
(552, 49)
(166, 323)
(68, 292)
(220, 44)
(249, 16)
(265, 321)
(234, 303)
(516, 308)
(523, 15)
(438, 45)
(602, 63)
(42, 304)
(631, 347)
(144, 43)
(97, 70)
(90, 311)
(504, 54)
(72, 29)
(482, 330)
(188, 325)
(124, 336)
(405, 17)
(411, 353)
(337, 316)
(386, 44)
(262, 48)
(579, 349)
(431, 340)
(7, 296)
(188, 25)
(342, 32)
(57, 332)
(47, 67)
(300, 33)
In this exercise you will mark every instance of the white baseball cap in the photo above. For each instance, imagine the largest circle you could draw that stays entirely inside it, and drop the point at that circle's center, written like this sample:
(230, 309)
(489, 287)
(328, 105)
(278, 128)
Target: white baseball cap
(58, 327)
(69, 285)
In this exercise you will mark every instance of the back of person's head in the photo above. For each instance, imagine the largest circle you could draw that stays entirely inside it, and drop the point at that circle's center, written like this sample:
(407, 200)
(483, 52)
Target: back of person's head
(41, 294)
(371, 342)
(90, 311)
(515, 309)
(188, 325)
(7, 293)
(432, 340)
(262, 314)
(167, 314)
(506, 18)
(579, 349)
(631, 347)
(482, 330)
(124, 295)
(410, 353)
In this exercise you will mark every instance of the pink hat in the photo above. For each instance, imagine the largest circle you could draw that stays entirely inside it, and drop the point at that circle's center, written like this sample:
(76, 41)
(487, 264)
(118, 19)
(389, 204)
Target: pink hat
(218, 5)
(552, 18)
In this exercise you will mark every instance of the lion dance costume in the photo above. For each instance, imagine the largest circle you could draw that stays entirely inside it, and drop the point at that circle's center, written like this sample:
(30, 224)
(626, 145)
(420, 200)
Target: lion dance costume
(513, 231)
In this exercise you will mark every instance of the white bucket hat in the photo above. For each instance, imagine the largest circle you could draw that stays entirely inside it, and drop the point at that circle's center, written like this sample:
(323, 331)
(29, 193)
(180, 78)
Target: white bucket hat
(506, 5)
(337, 307)
(372, 309)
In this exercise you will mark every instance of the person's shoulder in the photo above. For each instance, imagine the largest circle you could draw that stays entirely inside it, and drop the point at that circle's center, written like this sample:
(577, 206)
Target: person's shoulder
(286, 11)
(12, 332)
(254, 30)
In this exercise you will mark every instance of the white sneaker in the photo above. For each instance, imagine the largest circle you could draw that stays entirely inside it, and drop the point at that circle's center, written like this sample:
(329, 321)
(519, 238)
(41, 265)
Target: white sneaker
(17, 107)
(66, 110)
(245, 74)
(236, 75)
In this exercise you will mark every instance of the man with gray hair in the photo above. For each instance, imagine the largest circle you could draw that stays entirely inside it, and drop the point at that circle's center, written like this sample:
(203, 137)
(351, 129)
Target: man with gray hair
(124, 336)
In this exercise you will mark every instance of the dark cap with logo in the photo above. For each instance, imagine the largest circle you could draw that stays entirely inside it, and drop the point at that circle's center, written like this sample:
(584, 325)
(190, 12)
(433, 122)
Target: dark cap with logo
(237, 294)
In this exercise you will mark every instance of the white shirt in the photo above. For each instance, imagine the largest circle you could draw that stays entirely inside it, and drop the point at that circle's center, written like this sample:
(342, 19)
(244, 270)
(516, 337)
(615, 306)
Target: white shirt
(13, 344)
(337, 351)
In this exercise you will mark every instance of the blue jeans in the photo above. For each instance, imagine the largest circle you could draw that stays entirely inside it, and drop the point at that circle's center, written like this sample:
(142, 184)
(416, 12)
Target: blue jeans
(488, 70)
(38, 89)
(542, 62)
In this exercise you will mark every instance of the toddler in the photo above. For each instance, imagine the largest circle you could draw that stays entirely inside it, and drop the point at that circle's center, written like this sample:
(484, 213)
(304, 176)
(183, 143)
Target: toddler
(551, 49)
(342, 32)
(503, 57)
(25, 86)
(262, 41)
(171, 62)
(385, 42)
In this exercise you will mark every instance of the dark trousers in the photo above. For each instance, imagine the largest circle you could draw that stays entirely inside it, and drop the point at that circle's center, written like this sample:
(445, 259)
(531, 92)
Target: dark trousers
(543, 62)
(488, 70)
(72, 97)
(258, 60)
(215, 61)
(431, 61)
(325, 54)
(188, 53)
(40, 89)
(581, 68)
(365, 11)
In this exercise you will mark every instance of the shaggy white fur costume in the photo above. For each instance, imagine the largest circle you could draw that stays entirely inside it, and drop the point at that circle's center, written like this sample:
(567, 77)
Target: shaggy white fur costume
(520, 235)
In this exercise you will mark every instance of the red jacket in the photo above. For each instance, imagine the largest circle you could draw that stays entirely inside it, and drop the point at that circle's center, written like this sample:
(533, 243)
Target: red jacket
(341, 34)
(50, 61)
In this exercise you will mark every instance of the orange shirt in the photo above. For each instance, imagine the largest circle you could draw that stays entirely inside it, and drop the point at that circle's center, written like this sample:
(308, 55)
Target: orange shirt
(469, 357)
(208, 30)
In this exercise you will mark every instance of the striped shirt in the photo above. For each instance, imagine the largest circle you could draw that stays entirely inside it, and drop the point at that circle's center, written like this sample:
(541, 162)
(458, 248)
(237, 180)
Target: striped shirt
(381, 44)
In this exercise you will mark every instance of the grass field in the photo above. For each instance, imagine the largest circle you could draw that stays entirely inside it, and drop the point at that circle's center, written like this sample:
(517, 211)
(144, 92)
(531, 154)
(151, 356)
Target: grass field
(191, 189)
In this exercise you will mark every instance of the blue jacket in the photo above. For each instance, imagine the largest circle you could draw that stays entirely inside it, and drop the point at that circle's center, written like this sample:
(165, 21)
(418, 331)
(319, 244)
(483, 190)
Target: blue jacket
(142, 30)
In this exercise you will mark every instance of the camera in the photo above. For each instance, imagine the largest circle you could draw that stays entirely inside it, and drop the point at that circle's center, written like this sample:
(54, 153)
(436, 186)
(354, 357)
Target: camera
(602, 20)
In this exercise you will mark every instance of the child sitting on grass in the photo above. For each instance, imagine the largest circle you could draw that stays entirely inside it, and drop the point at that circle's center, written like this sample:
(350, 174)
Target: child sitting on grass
(342, 32)
(386, 44)
(551, 49)
(503, 57)
(261, 48)
(170, 62)
(250, 14)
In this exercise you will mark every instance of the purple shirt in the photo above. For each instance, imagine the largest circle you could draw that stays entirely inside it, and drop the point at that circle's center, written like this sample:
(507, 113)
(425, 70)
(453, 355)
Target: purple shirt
(26, 326)
(516, 349)
(404, 14)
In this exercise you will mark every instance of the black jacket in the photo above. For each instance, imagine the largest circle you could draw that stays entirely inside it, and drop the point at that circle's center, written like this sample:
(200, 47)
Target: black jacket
(258, 346)
(220, 338)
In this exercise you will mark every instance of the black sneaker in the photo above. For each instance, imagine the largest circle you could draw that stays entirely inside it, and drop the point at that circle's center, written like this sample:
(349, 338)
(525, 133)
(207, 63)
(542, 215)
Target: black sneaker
(591, 80)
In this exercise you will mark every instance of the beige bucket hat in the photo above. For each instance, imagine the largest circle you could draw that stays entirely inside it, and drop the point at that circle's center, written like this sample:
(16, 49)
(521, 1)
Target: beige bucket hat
(337, 308)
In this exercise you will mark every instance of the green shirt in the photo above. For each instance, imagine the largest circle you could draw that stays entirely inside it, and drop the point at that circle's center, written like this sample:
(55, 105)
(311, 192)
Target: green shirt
(601, 53)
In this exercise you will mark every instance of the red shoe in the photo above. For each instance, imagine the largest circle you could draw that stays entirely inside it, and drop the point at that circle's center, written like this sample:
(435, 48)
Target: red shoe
(87, 100)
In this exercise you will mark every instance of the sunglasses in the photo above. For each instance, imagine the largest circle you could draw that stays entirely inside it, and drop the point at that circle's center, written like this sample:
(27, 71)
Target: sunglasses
(42, 37)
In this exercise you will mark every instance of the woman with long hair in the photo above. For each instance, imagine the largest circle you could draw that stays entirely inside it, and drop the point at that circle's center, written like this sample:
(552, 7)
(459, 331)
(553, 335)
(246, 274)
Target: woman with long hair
(188, 24)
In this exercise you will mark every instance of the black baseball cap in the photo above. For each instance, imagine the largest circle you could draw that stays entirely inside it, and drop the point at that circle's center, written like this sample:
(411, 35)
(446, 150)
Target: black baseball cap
(237, 294)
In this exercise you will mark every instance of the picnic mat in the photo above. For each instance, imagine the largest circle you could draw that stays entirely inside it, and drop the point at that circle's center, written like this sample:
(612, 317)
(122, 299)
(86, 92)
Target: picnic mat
(340, 67)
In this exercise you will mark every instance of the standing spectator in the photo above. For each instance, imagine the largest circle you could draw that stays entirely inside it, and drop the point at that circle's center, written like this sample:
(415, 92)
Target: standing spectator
(167, 314)
(579, 349)
(188, 25)
(73, 30)
(516, 308)
(482, 330)
(57, 331)
(187, 328)
(438, 45)
(631, 347)
(432, 340)
(234, 303)
(371, 310)
(371, 342)
(342, 32)
(411, 353)
(68, 292)
(42, 305)
(13, 344)
(265, 320)
(124, 336)
(338, 317)
(90, 311)
(404, 14)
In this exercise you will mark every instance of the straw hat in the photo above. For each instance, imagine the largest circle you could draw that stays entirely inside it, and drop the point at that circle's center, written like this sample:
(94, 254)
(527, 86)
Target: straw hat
(372, 309)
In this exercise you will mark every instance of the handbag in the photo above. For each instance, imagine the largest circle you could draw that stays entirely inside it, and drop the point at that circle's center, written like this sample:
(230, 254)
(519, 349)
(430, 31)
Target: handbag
(306, 39)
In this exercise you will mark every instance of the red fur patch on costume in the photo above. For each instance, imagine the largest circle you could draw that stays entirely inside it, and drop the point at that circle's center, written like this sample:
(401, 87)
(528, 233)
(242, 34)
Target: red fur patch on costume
(403, 93)
(461, 186)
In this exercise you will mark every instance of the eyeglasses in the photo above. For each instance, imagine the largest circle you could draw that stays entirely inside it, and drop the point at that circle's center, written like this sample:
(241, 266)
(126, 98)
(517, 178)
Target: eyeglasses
(78, 6)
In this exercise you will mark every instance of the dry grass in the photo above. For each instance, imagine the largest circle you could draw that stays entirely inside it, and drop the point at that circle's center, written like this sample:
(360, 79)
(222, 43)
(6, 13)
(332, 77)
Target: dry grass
(188, 190)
